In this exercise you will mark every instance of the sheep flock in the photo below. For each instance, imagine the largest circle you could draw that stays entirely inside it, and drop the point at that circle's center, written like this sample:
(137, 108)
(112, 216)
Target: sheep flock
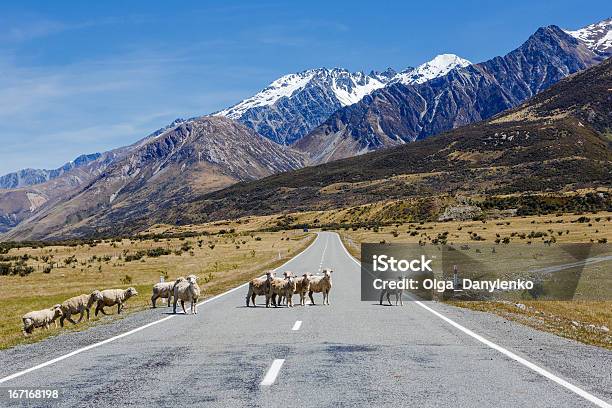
(276, 290)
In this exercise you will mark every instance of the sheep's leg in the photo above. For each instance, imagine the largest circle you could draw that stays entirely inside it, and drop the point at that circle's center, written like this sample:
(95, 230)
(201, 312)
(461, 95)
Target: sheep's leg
(62, 321)
(389, 298)
(153, 299)
(311, 299)
(69, 318)
(248, 297)
(81, 316)
(382, 295)
(119, 308)
(87, 310)
(253, 299)
(183, 306)
(400, 298)
(174, 308)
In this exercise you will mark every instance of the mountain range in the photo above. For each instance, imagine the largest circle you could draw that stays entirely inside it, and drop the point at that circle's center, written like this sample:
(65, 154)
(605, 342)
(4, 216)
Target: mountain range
(294, 104)
(560, 140)
(401, 113)
(321, 114)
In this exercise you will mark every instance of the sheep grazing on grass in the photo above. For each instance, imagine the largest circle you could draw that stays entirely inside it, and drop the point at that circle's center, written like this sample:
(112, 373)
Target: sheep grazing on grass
(259, 287)
(111, 297)
(281, 287)
(187, 290)
(321, 284)
(79, 304)
(40, 318)
(164, 290)
(397, 292)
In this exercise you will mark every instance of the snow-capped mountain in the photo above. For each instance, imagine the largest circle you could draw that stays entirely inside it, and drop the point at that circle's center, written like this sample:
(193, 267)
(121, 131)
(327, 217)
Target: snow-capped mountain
(401, 113)
(598, 36)
(293, 105)
(437, 67)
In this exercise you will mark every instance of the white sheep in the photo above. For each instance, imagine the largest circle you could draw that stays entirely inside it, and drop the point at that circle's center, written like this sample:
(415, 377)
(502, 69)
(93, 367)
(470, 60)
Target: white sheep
(187, 291)
(302, 286)
(281, 287)
(164, 290)
(40, 318)
(78, 304)
(321, 284)
(259, 287)
(111, 297)
(397, 292)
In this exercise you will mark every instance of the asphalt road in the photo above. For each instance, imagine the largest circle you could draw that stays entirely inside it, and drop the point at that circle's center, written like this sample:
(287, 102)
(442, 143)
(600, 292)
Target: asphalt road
(350, 353)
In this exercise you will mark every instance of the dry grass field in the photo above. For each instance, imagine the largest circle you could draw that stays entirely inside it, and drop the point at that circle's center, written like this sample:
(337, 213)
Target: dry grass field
(220, 261)
(586, 321)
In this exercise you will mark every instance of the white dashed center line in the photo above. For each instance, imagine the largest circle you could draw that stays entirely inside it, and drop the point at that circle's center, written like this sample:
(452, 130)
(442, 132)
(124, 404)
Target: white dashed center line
(272, 373)
(297, 325)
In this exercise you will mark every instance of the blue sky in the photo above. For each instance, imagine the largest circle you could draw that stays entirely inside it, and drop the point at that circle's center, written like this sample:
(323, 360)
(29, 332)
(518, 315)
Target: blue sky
(80, 77)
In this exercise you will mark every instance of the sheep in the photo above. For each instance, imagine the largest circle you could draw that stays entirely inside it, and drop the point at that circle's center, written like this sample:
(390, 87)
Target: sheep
(302, 286)
(187, 290)
(282, 287)
(259, 287)
(397, 292)
(164, 290)
(79, 304)
(111, 297)
(321, 284)
(40, 318)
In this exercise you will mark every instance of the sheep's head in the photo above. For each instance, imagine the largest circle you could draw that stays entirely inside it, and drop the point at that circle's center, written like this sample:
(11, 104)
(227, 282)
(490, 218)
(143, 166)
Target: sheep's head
(96, 295)
(57, 311)
(327, 273)
(270, 275)
(192, 279)
(287, 274)
(131, 292)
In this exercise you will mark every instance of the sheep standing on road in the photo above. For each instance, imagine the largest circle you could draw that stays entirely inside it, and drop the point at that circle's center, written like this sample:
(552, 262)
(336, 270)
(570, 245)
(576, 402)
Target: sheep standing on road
(259, 287)
(79, 304)
(281, 287)
(40, 318)
(164, 290)
(321, 284)
(111, 297)
(397, 292)
(302, 286)
(187, 290)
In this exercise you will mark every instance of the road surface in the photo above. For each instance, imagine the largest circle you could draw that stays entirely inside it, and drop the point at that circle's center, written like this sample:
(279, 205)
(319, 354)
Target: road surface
(350, 353)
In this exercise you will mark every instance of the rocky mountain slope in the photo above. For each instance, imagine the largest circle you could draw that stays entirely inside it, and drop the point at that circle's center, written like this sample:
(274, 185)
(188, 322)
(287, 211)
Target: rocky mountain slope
(400, 113)
(558, 140)
(294, 104)
(195, 157)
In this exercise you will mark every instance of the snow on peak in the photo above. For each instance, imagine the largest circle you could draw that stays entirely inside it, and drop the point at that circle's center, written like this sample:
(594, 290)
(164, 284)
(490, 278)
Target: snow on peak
(348, 88)
(439, 66)
(598, 36)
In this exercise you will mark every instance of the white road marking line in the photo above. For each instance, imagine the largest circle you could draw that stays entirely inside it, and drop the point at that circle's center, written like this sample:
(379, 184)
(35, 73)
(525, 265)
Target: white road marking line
(507, 353)
(297, 325)
(323, 254)
(272, 372)
(119, 336)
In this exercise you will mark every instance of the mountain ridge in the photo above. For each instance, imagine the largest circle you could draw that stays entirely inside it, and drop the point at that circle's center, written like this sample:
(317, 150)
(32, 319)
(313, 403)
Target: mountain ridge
(400, 113)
